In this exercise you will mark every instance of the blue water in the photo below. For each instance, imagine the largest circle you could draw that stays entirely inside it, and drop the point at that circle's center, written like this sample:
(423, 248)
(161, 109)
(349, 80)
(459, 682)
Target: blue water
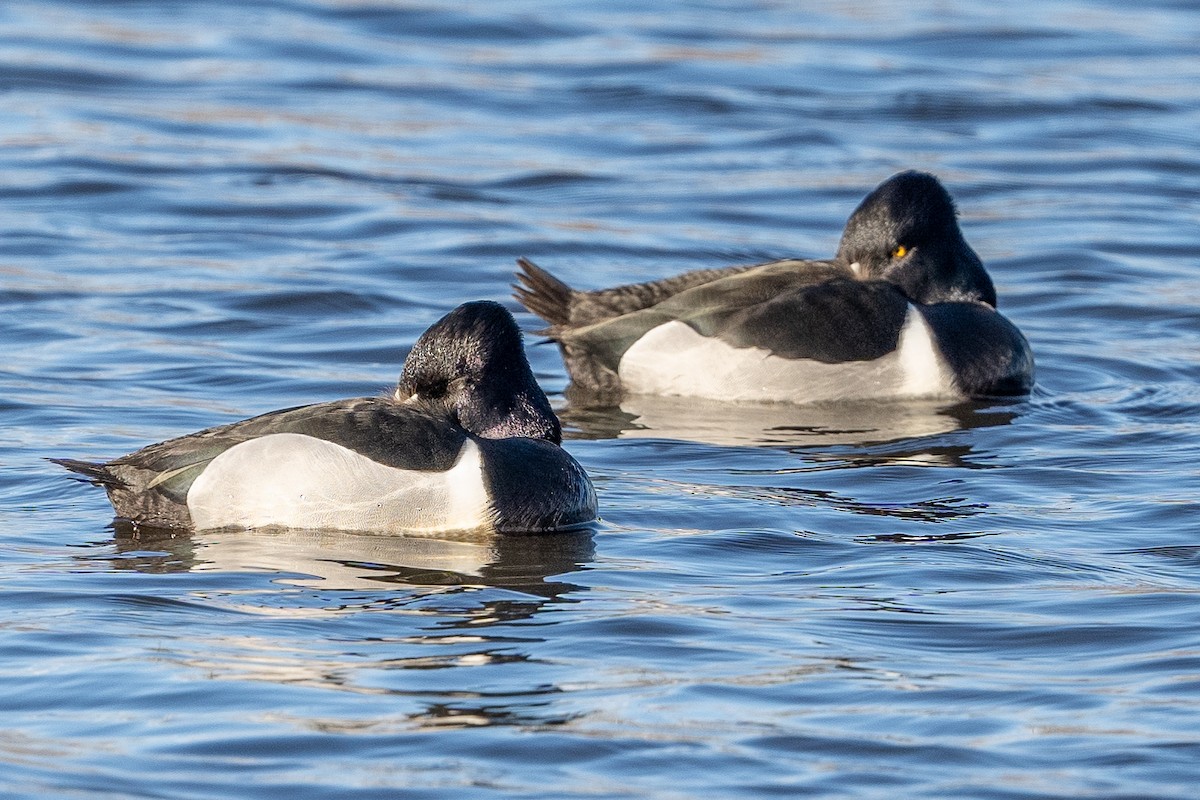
(214, 209)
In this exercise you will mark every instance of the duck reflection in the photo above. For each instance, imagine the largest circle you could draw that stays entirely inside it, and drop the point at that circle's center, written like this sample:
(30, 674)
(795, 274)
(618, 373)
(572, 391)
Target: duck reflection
(863, 432)
(476, 715)
(337, 560)
(452, 652)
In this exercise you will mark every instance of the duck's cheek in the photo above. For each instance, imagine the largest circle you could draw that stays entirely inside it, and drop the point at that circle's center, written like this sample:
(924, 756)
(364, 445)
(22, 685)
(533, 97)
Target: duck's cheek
(296, 481)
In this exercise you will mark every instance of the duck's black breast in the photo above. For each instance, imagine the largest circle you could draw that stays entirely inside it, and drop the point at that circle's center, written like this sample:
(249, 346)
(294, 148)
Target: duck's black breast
(987, 353)
(535, 486)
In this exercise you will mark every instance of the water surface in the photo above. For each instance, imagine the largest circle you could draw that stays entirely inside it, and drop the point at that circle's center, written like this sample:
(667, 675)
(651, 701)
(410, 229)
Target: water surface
(216, 209)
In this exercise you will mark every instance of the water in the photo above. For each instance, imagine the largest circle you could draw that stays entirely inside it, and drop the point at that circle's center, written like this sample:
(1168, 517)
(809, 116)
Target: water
(214, 209)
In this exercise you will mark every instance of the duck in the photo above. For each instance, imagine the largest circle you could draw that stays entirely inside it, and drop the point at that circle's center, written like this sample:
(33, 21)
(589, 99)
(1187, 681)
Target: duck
(904, 309)
(467, 441)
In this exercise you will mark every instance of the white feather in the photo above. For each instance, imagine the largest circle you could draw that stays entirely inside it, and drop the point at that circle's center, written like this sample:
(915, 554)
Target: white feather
(673, 359)
(922, 365)
(296, 481)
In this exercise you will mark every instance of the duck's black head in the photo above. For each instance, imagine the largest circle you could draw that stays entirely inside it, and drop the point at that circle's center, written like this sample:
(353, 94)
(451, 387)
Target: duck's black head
(906, 232)
(470, 365)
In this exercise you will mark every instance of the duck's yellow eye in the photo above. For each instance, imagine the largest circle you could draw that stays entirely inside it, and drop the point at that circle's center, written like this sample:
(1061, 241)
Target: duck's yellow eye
(899, 251)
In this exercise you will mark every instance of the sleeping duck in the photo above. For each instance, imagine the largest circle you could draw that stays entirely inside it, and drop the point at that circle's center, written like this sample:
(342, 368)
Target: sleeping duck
(904, 309)
(467, 442)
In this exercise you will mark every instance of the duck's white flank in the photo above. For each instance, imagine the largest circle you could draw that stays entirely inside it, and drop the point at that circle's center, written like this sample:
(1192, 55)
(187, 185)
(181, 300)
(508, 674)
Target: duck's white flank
(673, 359)
(296, 481)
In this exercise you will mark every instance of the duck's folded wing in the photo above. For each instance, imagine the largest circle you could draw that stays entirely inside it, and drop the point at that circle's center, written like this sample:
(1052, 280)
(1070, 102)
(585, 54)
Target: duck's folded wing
(375, 427)
(815, 313)
(833, 322)
(845, 321)
(566, 308)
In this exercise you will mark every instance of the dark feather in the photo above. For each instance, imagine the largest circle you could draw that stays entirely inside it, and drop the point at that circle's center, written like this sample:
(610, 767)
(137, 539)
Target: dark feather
(94, 472)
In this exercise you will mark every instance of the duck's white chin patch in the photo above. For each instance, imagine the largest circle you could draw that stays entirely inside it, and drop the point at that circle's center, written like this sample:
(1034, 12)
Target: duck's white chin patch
(673, 359)
(295, 481)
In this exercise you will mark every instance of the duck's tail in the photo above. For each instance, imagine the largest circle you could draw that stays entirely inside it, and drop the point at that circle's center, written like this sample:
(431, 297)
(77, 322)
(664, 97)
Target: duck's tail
(543, 294)
(98, 474)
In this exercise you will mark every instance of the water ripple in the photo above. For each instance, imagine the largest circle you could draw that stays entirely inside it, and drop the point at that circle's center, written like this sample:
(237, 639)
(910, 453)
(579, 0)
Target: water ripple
(226, 209)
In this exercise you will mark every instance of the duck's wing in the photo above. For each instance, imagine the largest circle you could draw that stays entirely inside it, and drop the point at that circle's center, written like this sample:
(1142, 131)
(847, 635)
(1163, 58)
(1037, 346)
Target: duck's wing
(833, 322)
(769, 307)
(565, 308)
(844, 321)
(378, 428)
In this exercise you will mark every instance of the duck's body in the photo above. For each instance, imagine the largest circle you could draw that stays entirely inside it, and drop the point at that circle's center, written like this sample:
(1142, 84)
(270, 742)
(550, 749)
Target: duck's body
(904, 310)
(468, 442)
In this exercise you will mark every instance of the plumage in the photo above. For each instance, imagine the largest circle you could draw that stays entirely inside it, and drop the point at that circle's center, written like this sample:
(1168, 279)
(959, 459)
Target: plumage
(802, 330)
(468, 440)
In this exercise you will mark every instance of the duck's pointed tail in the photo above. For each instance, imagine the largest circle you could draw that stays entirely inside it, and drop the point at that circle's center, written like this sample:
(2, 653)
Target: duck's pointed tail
(542, 293)
(98, 474)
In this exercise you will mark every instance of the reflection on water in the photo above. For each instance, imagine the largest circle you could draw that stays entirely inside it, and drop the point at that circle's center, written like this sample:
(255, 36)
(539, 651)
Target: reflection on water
(809, 458)
(932, 510)
(337, 560)
(779, 424)
(448, 656)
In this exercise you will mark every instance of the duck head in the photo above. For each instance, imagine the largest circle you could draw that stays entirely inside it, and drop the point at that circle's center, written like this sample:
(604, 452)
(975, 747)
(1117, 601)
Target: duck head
(470, 366)
(906, 232)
